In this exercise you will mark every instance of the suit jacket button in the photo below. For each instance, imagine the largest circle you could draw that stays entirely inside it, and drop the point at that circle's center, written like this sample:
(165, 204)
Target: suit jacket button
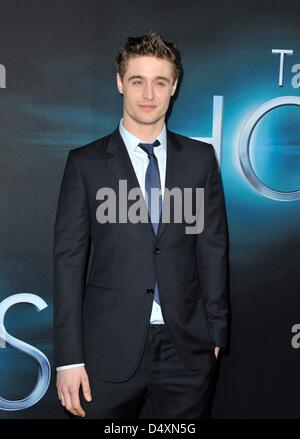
(150, 290)
(156, 251)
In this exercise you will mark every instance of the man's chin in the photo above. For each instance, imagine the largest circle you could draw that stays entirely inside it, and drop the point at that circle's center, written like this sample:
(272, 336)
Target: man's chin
(148, 120)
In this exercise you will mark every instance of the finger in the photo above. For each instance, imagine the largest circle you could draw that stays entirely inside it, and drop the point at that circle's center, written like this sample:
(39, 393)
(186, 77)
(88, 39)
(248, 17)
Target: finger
(76, 404)
(61, 397)
(86, 390)
(69, 405)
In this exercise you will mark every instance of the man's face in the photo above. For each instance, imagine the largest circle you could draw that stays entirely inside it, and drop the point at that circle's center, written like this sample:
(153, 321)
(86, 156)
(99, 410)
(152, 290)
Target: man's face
(147, 87)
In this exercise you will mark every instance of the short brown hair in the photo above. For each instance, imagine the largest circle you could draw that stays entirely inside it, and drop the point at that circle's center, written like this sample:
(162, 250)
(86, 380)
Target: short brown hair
(150, 44)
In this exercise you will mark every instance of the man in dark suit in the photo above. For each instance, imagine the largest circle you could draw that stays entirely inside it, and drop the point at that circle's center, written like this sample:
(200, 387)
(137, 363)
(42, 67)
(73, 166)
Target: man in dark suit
(140, 307)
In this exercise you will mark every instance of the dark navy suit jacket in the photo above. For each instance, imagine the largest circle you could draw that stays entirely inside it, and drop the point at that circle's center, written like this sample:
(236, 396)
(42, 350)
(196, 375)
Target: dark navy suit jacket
(104, 274)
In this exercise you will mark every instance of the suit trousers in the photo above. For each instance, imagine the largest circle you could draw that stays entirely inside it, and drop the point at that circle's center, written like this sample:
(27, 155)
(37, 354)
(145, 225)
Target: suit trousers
(161, 386)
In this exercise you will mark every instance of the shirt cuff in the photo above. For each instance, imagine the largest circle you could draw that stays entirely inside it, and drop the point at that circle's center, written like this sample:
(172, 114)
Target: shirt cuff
(69, 366)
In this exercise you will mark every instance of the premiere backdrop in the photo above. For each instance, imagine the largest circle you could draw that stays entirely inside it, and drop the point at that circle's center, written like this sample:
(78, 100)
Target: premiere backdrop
(58, 91)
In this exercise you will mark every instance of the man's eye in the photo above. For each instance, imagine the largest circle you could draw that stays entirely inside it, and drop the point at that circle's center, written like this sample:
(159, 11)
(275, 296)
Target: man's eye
(161, 84)
(136, 82)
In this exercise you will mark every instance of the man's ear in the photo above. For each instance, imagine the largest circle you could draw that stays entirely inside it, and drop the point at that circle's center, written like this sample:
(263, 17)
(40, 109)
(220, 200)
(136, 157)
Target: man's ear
(119, 83)
(174, 86)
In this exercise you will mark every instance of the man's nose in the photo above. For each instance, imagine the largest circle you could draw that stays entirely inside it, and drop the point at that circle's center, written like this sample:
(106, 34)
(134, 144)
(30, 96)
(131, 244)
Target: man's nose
(148, 91)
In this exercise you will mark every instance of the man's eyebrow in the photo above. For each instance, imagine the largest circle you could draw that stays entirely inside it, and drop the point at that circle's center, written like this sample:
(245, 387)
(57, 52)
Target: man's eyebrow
(141, 77)
(135, 77)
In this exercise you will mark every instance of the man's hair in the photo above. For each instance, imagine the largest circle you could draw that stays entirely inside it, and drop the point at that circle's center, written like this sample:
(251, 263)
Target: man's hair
(150, 44)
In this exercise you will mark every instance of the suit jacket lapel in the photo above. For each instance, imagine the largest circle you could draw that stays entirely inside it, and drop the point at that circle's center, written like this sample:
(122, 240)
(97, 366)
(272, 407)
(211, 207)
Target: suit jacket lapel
(120, 164)
(173, 171)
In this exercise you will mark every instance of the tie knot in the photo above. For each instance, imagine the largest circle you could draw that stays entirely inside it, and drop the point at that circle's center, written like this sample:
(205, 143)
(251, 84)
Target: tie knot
(148, 147)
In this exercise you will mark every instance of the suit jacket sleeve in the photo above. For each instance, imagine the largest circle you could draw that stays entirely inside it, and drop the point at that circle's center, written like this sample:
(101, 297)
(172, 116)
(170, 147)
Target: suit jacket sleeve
(212, 255)
(71, 248)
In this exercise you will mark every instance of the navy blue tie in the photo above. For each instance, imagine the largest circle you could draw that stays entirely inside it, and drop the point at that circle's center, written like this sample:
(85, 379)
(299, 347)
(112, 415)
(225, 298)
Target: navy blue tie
(152, 181)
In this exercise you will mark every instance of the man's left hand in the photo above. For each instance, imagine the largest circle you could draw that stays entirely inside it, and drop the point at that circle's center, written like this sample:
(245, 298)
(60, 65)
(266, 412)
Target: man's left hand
(217, 349)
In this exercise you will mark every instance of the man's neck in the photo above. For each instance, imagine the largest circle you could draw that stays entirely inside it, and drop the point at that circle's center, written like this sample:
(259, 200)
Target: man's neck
(144, 131)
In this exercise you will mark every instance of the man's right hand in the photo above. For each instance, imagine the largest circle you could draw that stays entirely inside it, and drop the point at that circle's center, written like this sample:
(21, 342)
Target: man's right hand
(68, 384)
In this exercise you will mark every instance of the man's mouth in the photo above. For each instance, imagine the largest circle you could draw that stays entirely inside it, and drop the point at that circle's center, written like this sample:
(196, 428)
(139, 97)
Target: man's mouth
(148, 107)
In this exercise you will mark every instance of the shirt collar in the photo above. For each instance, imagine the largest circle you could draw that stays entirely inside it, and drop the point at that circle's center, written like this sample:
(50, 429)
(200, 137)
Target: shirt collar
(132, 141)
